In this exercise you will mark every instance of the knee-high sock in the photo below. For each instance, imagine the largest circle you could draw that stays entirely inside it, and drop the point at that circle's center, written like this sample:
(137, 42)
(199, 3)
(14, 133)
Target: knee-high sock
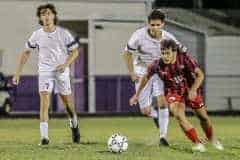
(192, 135)
(44, 130)
(208, 132)
(163, 120)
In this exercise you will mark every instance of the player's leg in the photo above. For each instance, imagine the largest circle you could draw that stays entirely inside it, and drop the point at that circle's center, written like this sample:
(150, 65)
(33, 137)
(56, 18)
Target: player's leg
(163, 118)
(44, 106)
(63, 86)
(45, 89)
(73, 120)
(148, 110)
(69, 106)
(145, 102)
(206, 124)
(177, 108)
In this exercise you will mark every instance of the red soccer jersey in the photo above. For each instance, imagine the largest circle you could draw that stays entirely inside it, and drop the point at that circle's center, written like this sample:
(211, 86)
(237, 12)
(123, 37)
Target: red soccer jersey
(177, 77)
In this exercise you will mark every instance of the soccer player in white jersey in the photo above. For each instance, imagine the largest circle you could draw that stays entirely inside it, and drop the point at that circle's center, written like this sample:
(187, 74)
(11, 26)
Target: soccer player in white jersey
(57, 49)
(145, 43)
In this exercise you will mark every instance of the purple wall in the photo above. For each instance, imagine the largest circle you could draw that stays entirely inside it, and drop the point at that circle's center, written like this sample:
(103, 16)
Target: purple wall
(25, 96)
(80, 89)
(113, 93)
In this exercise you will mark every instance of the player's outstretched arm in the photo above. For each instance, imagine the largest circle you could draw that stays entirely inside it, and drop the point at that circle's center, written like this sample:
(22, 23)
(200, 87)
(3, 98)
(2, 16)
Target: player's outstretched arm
(23, 57)
(71, 58)
(129, 62)
(197, 83)
(134, 99)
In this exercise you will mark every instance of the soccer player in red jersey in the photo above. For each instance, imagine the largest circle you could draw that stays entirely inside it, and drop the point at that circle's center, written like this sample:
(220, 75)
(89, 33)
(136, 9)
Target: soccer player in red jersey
(182, 78)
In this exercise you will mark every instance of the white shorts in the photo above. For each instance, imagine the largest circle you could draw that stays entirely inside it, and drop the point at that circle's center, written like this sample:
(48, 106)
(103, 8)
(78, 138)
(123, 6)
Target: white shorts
(60, 82)
(153, 88)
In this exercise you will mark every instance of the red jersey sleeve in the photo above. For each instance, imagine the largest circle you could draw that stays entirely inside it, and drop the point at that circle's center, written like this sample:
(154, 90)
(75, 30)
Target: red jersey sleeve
(190, 62)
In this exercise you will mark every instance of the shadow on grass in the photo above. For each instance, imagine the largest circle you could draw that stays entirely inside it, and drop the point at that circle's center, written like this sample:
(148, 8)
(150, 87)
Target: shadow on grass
(104, 151)
(89, 143)
(235, 147)
(81, 143)
(181, 148)
(69, 145)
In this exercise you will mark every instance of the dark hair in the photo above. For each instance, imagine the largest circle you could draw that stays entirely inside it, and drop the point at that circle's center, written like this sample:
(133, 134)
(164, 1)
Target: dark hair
(169, 43)
(156, 14)
(47, 6)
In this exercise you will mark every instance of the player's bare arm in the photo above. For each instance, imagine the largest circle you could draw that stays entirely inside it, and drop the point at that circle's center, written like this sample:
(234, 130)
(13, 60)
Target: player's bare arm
(129, 61)
(197, 83)
(23, 57)
(133, 100)
(71, 58)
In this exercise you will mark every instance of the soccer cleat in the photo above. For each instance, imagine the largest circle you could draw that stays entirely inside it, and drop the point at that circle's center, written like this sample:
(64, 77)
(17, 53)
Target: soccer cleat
(218, 145)
(163, 142)
(43, 142)
(199, 147)
(75, 135)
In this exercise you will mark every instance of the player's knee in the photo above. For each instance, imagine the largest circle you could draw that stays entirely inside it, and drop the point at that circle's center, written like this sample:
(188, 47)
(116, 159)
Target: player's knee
(44, 102)
(162, 103)
(66, 102)
(146, 111)
(44, 95)
(179, 117)
(163, 107)
(204, 119)
(201, 118)
(44, 108)
(66, 99)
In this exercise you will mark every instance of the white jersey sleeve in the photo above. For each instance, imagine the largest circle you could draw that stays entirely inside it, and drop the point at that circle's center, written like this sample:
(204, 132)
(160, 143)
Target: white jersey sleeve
(32, 41)
(69, 41)
(133, 42)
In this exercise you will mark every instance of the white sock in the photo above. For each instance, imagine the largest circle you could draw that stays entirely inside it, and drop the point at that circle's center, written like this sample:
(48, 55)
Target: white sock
(163, 122)
(153, 113)
(44, 130)
(73, 121)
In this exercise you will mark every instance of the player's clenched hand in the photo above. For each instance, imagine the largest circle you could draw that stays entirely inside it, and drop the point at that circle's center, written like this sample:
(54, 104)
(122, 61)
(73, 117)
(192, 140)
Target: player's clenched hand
(134, 77)
(61, 68)
(133, 100)
(192, 93)
(16, 79)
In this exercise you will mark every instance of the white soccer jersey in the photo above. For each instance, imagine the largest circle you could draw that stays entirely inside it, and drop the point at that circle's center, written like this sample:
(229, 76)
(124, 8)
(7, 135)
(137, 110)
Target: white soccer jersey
(52, 48)
(147, 48)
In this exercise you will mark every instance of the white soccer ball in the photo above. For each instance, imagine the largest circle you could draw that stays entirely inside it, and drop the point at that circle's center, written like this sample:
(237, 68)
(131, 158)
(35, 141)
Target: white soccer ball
(117, 143)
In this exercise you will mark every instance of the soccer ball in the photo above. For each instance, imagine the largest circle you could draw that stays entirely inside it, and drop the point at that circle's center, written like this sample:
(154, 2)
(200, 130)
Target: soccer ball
(117, 143)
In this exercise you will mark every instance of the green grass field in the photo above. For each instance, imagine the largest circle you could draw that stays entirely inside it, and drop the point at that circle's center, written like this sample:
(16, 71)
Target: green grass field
(19, 140)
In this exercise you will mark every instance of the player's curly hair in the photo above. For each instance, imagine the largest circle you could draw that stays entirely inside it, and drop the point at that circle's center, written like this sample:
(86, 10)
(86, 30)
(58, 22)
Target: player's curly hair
(169, 43)
(157, 14)
(47, 6)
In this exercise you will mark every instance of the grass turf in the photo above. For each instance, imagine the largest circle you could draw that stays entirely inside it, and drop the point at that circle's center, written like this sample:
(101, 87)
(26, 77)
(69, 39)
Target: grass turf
(19, 140)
